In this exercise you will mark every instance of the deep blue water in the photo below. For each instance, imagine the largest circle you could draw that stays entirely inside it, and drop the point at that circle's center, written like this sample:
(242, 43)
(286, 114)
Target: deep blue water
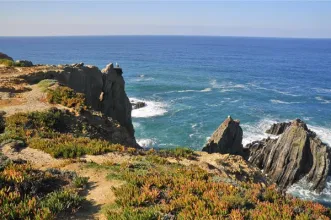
(191, 84)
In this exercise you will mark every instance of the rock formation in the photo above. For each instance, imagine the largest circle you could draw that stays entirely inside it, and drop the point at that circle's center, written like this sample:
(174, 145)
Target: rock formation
(278, 128)
(297, 153)
(115, 102)
(104, 90)
(5, 57)
(226, 139)
(137, 105)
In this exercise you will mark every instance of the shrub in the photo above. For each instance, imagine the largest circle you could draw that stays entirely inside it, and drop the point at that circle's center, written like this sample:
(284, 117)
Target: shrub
(80, 182)
(46, 83)
(26, 193)
(172, 191)
(67, 97)
(7, 63)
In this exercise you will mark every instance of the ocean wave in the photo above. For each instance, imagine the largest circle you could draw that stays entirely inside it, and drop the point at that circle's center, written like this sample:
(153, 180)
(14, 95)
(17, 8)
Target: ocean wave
(146, 143)
(276, 101)
(274, 90)
(142, 77)
(227, 86)
(322, 90)
(301, 190)
(191, 90)
(206, 90)
(151, 109)
(323, 100)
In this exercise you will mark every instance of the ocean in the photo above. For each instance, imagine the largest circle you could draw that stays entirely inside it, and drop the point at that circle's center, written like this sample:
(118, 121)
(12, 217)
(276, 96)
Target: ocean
(191, 84)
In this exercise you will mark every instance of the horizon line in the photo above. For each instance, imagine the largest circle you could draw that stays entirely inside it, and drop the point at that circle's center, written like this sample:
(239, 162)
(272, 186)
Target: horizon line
(163, 35)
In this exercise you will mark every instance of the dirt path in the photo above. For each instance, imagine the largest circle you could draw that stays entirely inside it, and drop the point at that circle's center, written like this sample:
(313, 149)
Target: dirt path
(27, 102)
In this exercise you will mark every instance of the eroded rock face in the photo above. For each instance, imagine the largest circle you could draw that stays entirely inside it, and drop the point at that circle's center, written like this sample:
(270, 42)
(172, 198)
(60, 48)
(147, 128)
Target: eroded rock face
(5, 57)
(278, 128)
(104, 90)
(297, 153)
(115, 102)
(226, 139)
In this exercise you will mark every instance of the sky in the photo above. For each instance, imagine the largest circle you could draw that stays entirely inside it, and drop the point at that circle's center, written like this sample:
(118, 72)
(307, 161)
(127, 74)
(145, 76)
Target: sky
(307, 19)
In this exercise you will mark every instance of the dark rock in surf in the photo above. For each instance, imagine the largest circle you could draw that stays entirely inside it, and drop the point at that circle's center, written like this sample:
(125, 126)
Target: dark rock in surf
(297, 153)
(226, 139)
(137, 105)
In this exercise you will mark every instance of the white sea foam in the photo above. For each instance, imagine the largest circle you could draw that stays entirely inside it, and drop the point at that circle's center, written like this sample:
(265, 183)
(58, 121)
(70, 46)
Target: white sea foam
(146, 142)
(151, 109)
(276, 101)
(191, 90)
(301, 189)
(323, 133)
(227, 86)
(256, 131)
(322, 90)
(323, 101)
(206, 90)
(273, 90)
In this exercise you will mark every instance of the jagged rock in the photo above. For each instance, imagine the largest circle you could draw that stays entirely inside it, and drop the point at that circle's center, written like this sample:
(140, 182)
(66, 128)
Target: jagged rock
(297, 153)
(24, 63)
(115, 102)
(278, 128)
(136, 105)
(226, 139)
(5, 57)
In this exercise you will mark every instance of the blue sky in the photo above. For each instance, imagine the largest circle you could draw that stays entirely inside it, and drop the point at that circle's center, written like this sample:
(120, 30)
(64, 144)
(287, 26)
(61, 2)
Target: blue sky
(217, 18)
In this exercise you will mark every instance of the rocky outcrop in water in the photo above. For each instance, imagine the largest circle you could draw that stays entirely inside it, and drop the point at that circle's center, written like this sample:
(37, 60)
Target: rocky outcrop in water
(5, 57)
(226, 139)
(297, 153)
(278, 128)
(137, 105)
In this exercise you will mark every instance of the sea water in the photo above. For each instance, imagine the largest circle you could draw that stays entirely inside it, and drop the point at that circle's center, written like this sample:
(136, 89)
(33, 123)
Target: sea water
(191, 84)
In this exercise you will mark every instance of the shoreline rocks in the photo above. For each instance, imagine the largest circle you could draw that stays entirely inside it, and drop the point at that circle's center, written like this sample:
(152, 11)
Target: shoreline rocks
(226, 139)
(297, 153)
(278, 128)
(138, 104)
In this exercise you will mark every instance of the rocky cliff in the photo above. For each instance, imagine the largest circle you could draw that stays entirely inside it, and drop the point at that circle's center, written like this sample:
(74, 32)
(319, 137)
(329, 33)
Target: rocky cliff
(104, 90)
(226, 139)
(297, 153)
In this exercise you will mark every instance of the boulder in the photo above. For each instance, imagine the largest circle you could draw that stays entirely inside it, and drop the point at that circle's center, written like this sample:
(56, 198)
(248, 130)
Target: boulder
(278, 128)
(23, 63)
(226, 139)
(297, 153)
(5, 57)
(137, 105)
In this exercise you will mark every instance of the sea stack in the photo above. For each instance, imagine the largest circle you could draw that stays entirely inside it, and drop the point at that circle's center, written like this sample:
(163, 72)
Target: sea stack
(297, 153)
(226, 139)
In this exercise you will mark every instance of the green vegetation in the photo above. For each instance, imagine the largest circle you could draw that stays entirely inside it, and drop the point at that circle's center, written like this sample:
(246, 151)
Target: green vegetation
(26, 193)
(58, 133)
(46, 83)
(172, 191)
(80, 182)
(67, 97)
(7, 63)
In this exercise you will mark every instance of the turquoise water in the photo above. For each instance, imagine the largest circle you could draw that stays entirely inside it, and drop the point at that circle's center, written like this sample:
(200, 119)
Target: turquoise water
(191, 84)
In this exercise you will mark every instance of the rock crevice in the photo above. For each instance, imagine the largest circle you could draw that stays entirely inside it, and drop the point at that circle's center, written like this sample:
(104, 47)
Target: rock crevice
(297, 153)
